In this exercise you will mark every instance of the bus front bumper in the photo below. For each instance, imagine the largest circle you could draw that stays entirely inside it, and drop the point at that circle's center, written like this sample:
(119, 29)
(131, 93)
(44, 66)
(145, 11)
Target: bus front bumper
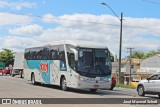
(93, 84)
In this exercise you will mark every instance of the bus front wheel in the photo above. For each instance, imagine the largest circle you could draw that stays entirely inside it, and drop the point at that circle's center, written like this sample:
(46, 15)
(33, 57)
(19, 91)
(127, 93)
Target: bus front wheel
(93, 90)
(64, 84)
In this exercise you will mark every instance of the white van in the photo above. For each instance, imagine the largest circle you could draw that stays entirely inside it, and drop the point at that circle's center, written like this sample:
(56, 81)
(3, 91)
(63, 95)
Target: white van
(18, 64)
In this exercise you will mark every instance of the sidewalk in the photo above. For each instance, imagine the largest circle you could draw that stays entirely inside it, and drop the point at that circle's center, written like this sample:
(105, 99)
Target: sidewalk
(126, 91)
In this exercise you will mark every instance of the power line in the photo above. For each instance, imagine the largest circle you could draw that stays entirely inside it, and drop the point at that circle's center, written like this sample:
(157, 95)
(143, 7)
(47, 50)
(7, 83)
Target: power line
(64, 19)
(79, 21)
(151, 2)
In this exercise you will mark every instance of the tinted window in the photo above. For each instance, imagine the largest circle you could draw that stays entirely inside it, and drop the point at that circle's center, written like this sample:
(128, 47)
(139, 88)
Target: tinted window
(46, 53)
(158, 77)
(154, 77)
(71, 60)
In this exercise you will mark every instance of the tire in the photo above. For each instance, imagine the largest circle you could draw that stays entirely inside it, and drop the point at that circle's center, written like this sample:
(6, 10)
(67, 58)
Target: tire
(33, 79)
(140, 90)
(12, 74)
(64, 84)
(159, 95)
(111, 88)
(21, 74)
(93, 90)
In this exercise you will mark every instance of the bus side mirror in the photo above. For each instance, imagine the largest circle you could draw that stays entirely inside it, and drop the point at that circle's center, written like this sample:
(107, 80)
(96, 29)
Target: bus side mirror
(75, 53)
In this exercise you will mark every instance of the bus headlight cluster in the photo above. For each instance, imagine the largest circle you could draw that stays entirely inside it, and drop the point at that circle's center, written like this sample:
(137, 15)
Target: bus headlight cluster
(107, 79)
(83, 79)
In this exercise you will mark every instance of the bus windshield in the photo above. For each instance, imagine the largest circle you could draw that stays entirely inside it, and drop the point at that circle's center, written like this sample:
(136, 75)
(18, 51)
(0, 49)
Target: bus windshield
(94, 62)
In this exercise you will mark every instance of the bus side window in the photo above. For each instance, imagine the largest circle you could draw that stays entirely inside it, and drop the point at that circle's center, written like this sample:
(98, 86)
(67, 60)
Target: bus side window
(63, 66)
(39, 54)
(26, 55)
(51, 54)
(46, 54)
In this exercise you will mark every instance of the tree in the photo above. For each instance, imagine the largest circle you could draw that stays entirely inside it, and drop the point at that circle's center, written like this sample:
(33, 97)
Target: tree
(138, 54)
(149, 54)
(7, 56)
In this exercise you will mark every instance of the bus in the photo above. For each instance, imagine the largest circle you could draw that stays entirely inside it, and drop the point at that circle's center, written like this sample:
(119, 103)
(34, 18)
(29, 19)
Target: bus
(69, 64)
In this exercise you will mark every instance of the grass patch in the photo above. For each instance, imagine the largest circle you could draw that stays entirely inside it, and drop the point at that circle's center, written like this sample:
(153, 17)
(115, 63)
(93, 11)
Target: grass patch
(125, 86)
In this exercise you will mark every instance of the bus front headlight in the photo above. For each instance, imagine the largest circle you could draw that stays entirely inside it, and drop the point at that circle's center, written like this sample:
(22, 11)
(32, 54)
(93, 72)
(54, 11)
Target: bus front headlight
(82, 78)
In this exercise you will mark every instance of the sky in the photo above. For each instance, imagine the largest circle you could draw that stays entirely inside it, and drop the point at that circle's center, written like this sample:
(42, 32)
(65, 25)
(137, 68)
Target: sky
(27, 23)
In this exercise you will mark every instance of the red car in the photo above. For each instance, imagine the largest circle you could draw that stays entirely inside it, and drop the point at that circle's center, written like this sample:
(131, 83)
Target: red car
(113, 83)
(5, 71)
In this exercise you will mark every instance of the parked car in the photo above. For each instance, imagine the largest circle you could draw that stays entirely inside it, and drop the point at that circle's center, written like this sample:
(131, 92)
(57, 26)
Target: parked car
(151, 85)
(113, 83)
(5, 71)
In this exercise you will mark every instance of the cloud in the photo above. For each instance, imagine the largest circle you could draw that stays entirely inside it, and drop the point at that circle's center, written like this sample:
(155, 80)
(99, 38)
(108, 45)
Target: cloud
(11, 19)
(16, 5)
(18, 44)
(80, 19)
(104, 29)
(28, 30)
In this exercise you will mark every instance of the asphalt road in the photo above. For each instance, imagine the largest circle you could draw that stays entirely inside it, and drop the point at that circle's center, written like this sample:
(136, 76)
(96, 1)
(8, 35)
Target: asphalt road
(15, 87)
(21, 88)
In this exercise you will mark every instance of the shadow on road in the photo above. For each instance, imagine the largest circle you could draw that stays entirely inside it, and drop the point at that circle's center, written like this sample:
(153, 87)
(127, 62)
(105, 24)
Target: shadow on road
(85, 91)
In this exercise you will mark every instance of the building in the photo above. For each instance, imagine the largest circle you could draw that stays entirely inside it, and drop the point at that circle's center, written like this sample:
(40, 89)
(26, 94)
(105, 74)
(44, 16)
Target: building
(149, 66)
(125, 69)
(135, 68)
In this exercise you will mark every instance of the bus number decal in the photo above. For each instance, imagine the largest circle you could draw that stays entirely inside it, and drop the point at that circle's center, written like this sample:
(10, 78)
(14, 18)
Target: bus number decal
(44, 67)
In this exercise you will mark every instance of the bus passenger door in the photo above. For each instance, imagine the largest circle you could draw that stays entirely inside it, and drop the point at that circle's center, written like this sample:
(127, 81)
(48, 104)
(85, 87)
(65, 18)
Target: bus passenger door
(72, 67)
(54, 72)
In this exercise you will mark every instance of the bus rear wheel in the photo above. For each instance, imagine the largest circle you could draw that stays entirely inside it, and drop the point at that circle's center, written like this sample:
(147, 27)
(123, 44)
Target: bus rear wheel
(33, 79)
(21, 74)
(64, 84)
(93, 90)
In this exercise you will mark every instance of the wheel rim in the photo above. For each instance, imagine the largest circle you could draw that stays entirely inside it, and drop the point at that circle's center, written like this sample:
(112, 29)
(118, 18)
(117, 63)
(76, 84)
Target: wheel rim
(140, 90)
(64, 84)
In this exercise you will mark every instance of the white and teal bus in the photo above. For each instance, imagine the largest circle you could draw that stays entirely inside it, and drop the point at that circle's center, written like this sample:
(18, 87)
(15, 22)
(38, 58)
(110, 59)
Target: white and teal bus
(69, 64)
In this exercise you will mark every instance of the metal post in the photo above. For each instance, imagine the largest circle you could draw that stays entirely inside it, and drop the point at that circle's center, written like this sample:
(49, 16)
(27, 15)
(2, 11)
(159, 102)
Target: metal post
(130, 63)
(120, 44)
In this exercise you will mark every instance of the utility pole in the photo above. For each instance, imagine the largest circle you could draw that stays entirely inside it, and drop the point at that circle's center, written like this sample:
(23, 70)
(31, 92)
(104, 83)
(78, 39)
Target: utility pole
(120, 49)
(120, 42)
(130, 63)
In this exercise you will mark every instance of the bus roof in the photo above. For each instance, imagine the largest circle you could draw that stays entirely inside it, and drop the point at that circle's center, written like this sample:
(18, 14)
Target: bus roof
(76, 43)
(82, 43)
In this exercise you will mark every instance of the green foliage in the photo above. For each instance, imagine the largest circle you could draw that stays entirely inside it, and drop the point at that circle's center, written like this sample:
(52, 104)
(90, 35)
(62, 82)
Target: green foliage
(125, 86)
(149, 54)
(138, 54)
(7, 56)
(142, 55)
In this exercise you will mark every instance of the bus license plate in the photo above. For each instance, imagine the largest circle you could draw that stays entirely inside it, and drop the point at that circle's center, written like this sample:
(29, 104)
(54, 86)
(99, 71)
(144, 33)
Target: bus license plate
(96, 86)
